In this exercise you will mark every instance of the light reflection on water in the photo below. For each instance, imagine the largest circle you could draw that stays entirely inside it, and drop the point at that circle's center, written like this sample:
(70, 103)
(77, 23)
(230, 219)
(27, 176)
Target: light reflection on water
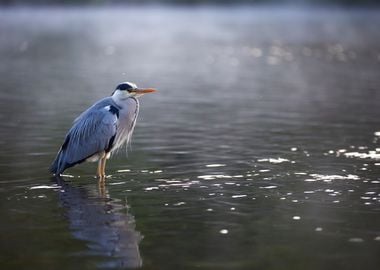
(259, 152)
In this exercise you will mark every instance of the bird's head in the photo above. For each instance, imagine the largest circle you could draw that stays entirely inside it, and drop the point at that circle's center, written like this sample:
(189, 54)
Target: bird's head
(128, 89)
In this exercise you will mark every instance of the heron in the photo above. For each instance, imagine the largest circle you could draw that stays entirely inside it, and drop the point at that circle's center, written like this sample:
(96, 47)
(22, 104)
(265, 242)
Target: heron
(101, 129)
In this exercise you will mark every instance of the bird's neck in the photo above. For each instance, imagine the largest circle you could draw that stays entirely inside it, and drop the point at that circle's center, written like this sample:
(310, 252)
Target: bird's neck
(122, 101)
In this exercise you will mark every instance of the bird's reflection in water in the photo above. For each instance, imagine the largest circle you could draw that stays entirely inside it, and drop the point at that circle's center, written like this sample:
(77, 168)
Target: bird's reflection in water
(99, 220)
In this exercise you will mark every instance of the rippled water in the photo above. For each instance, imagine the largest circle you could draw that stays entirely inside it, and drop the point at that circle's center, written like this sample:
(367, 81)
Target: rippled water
(261, 150)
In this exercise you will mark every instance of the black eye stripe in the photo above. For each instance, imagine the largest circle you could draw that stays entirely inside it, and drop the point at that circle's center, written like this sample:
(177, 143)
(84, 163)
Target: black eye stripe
(124, 86)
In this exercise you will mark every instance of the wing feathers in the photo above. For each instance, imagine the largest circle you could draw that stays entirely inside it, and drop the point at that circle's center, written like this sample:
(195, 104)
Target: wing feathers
(93, 131)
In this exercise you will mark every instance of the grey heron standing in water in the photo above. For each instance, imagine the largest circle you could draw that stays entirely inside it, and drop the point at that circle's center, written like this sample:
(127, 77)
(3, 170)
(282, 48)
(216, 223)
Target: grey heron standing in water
(101, 129)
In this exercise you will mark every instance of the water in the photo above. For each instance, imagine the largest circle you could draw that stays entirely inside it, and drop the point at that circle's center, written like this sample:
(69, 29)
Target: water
(259, 152)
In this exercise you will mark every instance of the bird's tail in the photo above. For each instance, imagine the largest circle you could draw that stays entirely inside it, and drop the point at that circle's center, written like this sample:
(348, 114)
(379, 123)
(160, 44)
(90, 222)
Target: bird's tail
(59, 164)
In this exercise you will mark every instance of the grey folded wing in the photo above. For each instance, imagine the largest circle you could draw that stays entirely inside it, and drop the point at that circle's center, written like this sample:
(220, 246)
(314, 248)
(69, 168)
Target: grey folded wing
(92, 132)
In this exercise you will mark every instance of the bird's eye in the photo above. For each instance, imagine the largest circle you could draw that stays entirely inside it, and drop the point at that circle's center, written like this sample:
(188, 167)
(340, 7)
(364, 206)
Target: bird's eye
(126, 87)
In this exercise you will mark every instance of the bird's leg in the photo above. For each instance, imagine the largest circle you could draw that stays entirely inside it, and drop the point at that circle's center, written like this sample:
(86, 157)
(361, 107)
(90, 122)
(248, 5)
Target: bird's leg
(100, 168)
(101, 165)
(104, 159)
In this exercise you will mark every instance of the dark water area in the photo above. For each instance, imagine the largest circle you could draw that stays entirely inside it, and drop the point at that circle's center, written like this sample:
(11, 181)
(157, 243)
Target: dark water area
(260, 151)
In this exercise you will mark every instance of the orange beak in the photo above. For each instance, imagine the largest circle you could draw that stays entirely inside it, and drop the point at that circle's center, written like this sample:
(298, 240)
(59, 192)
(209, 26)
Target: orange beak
(144, 90)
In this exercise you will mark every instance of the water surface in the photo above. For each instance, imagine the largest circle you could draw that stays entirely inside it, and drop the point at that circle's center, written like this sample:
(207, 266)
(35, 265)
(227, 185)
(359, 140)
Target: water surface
(261, 150)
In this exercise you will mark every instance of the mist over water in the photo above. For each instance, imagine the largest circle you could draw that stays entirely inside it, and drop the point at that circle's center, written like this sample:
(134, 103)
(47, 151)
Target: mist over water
(260, 150)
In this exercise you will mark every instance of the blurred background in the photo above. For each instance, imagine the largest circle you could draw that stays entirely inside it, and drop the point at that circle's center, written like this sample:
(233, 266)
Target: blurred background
(190, 2)
(260, 150)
